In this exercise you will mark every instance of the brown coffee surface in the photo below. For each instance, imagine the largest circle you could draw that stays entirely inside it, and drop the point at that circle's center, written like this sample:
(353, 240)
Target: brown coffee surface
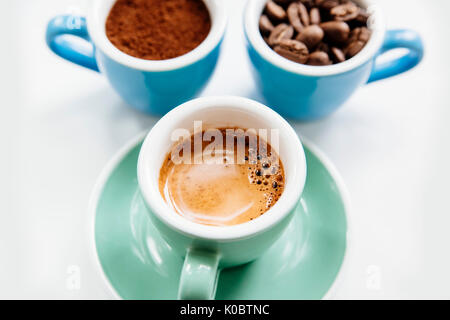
(315, 32)
(158, 29)
(227, 193)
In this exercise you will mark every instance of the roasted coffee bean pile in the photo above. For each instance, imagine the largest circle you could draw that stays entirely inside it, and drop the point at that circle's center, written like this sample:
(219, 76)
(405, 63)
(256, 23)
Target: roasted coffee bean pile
(315, 32)
(157, 30)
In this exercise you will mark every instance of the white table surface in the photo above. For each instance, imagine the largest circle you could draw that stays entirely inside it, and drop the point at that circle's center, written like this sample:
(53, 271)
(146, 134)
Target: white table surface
(60, 124)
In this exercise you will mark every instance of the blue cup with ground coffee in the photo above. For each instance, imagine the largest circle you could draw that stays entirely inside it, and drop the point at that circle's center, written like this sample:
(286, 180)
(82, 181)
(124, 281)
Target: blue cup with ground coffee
(166, 69)
(310, 56)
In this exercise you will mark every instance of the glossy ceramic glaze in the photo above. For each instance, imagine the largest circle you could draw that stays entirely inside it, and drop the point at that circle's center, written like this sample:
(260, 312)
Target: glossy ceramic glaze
(138, 264)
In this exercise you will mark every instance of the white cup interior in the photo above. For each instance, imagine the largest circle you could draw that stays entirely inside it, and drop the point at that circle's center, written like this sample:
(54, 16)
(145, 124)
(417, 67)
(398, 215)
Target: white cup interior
(221, 112)
(253, 12)
(96, 21)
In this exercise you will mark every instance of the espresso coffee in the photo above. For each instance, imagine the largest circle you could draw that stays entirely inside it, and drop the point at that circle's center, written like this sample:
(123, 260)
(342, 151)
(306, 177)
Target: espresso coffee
(158, 29)
(227, 185)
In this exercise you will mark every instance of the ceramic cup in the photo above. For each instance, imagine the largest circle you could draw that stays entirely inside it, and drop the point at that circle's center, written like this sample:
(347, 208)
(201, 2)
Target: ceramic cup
(154, 87)
(309, 92)
(207, 249)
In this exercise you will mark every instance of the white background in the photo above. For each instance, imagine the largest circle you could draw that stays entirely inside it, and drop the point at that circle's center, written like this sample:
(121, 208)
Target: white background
(60, 124)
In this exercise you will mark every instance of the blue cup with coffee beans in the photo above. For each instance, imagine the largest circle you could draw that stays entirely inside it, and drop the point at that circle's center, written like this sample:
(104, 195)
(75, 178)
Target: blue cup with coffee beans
(155, 54)
(310, 56)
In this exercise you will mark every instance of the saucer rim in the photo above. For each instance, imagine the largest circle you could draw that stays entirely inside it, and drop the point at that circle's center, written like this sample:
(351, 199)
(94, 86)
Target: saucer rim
(124, 150)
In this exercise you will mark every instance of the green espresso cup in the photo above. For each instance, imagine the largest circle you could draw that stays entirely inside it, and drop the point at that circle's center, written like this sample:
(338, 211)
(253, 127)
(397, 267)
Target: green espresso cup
(208, 249)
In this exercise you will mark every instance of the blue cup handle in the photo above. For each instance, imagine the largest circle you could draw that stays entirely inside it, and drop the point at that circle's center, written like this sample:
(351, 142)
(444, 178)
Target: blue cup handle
(68, 48)
(395, 39)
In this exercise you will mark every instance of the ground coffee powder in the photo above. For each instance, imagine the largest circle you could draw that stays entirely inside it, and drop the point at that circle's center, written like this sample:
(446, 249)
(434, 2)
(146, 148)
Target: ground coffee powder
(157, 29)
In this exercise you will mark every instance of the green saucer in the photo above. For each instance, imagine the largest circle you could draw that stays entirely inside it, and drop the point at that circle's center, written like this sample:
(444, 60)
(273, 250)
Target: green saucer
(137, 264)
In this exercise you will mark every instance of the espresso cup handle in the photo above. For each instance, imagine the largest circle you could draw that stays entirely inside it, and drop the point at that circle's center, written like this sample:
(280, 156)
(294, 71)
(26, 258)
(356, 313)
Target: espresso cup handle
(67, 48)
(395, 39)
(199, 275)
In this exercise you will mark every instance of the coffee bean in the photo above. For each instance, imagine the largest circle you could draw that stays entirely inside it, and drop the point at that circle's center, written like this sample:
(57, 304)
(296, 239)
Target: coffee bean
(314, 16)
(354, 48)
(319, 58)
(293, 50)
(293, 14)
(323, 47)
(337, 55)
(311, 36)
(283, 2)
(336, 31)
(298, 16)
(345, 12)
(280, 32)
(365, 34)
(138, 28)
(275, 11)
(265, 26)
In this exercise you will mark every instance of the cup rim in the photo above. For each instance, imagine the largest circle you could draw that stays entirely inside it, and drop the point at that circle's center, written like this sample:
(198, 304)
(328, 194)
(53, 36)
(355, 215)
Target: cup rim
(96, 29)
(288, 201)
(252, 13)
